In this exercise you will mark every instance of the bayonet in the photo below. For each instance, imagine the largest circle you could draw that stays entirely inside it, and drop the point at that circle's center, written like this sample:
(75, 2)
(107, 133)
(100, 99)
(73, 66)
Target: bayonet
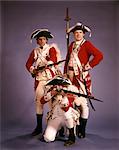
(67, 19)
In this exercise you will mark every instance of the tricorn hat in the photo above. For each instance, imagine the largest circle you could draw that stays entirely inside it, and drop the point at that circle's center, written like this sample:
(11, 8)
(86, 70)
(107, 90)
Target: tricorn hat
(41, 33)
(79, 26)
(59, 80)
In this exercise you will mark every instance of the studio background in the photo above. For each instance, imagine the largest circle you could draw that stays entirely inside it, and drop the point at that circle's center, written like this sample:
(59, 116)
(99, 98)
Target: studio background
(18, 20)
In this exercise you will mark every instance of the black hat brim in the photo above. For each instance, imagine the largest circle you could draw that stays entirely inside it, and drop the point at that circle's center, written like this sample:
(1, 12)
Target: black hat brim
(46, 34)
(79, 28)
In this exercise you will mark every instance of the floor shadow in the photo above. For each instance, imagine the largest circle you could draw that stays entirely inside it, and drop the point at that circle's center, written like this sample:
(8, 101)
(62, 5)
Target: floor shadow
(91, 142)
(97, 142)
(25, 141)
(28, 142)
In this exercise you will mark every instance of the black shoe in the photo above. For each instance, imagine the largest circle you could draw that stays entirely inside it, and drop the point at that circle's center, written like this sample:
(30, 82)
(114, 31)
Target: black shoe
(69, 143)
(36, 132)
(42, 139)
(81, 136)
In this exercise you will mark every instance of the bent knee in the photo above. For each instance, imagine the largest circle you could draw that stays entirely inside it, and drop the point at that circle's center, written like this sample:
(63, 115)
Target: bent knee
(49, 138)
(50, 134)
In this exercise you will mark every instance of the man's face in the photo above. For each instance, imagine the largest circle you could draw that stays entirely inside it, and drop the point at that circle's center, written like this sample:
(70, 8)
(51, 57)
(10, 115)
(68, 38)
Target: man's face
(78, 35)
(41, 41)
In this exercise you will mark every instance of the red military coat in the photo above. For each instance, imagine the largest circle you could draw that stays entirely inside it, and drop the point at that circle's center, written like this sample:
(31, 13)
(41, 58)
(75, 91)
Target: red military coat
(53, 56)
(87, 49)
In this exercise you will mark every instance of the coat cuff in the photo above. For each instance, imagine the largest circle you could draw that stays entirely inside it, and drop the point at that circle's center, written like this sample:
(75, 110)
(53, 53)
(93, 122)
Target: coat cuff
(31, 69)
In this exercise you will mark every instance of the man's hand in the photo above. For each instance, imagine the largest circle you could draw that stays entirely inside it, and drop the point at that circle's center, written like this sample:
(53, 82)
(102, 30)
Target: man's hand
(87, 67)
(34, 72)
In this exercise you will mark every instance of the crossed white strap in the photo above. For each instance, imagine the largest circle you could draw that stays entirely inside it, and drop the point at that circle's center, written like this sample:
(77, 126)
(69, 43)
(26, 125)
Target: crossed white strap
(41, 57)
(77, 63)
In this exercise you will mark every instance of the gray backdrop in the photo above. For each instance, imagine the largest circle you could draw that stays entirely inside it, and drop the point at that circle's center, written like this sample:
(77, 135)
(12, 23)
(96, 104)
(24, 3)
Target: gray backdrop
(19, 19)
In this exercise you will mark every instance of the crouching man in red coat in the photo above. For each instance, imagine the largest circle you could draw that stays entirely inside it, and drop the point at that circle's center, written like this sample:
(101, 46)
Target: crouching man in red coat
(62, 113)
(82, 56)
(42, 55)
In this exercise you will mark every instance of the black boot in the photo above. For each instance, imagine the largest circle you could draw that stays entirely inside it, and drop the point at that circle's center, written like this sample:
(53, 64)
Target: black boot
(60, 135)
(38, 128)
(71, 139)
(78, 130)
(82, 128)
(61, 132)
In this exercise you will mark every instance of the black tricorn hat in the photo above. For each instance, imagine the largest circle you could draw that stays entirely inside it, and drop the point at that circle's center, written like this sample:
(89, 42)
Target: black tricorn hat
(59, 80)
(41, 33)
(79, 26)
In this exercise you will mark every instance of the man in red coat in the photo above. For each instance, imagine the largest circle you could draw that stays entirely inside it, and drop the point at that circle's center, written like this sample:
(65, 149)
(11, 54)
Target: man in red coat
(40, 56)
(82, 56)
(62, 114)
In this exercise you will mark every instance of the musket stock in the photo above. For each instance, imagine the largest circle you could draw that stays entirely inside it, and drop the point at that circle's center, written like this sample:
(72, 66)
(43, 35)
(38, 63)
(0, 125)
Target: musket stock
(40, 68)
(50, 65)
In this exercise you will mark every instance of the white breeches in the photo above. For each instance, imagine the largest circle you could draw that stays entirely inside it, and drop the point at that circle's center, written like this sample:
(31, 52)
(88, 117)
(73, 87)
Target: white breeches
(52, 128)
(72, 117)
(68, 119)
(38, 95)
(81, 101)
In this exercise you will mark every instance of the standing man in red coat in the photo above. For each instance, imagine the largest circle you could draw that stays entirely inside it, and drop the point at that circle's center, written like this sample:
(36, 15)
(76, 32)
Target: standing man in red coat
(82, 56)
(40, 56)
